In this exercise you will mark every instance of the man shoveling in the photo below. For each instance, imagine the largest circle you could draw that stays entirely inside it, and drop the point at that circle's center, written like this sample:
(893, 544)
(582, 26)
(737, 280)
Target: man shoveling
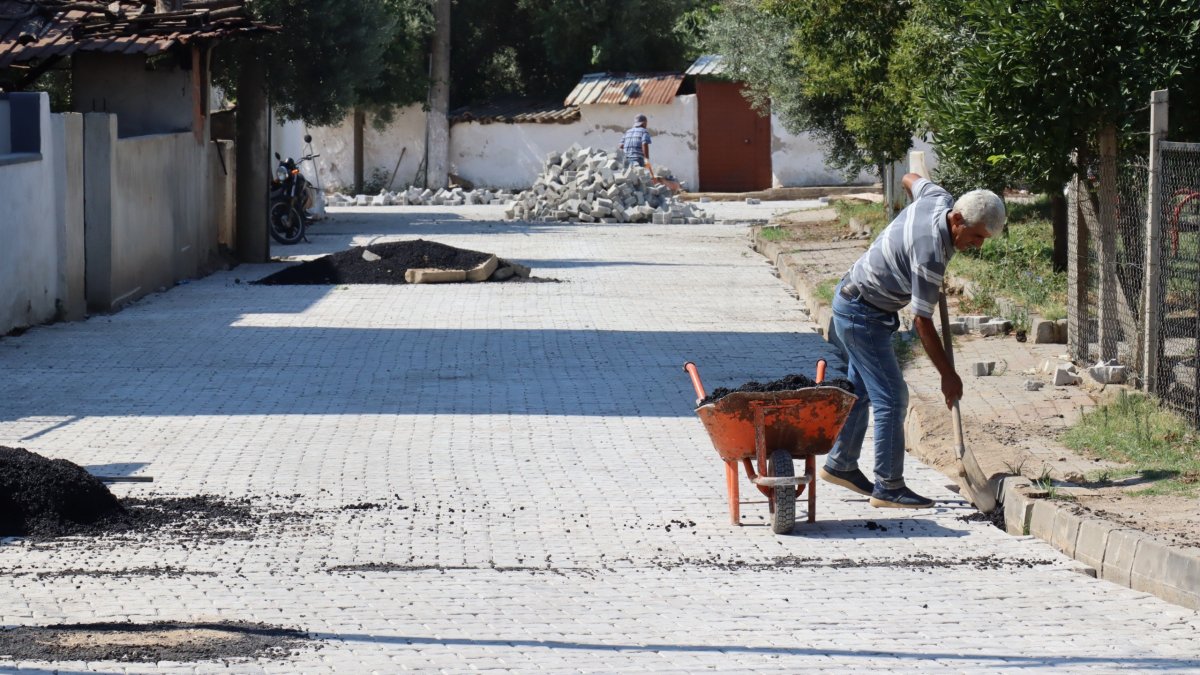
(904, 265)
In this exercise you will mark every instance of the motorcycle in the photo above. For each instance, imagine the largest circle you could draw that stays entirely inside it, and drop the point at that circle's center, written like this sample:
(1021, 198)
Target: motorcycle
(291, 199)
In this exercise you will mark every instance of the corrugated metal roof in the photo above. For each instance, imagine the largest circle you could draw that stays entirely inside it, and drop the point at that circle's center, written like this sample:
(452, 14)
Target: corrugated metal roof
(626, 89)
(709, 64)
(516, 112)
(34, 30)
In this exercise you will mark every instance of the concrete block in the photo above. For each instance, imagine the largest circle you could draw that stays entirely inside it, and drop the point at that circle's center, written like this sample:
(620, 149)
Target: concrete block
(1060, 331)
(958, 327)
(369, 257)
(1041, 520)
(983, 368)
(1065, 531)
(483, 270)
(502, 273)
(1065, 376)
(1169, 573)
(434, 276)
(1119, 552)
(1017, 507)
(1108, 373)
(519, 269)
(752, 201)
(1044, 332)
(974, 321)
(1090, 542)
(1033, 385)
(361, 200)
(995, 327)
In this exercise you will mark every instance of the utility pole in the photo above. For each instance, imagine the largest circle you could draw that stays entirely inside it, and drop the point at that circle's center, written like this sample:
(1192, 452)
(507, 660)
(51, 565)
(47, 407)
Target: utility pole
(437, 168)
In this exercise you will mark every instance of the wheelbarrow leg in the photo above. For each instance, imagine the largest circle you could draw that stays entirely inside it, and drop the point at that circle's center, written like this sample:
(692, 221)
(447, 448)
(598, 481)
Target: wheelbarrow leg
(731, 488)
(810, 469)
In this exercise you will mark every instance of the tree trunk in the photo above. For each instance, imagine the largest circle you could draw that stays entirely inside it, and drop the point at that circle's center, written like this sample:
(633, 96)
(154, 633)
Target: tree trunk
(360, 121)
(437, 168)
(253, 162)
(1058, 221)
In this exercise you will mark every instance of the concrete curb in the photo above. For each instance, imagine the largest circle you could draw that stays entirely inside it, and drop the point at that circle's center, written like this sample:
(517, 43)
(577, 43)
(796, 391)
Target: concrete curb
(1112, 552)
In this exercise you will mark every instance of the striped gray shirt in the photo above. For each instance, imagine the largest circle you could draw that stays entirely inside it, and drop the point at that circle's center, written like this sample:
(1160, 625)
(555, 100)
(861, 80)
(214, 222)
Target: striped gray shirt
(908, 259)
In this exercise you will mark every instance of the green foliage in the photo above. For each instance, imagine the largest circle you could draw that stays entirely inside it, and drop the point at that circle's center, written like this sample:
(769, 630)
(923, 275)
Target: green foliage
(1021, 85)
(775, 234)
(824, 290)
(332, 55)
(1017, 265)
(872, 216)
(824, 68)
(540, 48)
(1156, 443)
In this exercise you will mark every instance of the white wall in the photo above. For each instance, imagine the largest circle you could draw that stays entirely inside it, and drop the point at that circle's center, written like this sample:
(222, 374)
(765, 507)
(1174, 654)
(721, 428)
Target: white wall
(673, 129)
(335, 145)
(503, 155)
(146, 101)
(797, 160)
(32, 226)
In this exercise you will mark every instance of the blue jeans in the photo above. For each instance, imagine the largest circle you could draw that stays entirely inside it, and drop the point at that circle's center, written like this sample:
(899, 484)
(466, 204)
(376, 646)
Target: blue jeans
(864, 335)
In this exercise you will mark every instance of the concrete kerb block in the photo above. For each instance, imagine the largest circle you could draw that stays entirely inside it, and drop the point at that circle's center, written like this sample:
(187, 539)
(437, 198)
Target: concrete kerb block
(483, 270)
(1018, 508)
(1065, 531)
(1044, 332)
(1168, 573)
(983, 368)
(974, 321)
(1066, 375)
(1119, 552)
(958, 327)
(434, 276)
(1091, 541)
(1041, 520)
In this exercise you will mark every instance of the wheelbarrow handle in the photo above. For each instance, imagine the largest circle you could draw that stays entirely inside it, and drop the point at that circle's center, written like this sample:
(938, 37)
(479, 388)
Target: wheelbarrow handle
(690, 369)
(820, 371)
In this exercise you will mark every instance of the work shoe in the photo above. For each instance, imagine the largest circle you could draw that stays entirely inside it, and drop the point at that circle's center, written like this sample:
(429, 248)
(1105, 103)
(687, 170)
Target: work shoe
(852, 480)
(898, 498)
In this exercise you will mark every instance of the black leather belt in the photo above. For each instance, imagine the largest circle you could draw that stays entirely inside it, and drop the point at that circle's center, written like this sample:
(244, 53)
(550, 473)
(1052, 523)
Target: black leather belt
(850, 291)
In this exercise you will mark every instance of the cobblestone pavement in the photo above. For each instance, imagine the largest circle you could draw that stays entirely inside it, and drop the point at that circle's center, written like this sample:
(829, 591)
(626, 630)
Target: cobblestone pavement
(547, 499)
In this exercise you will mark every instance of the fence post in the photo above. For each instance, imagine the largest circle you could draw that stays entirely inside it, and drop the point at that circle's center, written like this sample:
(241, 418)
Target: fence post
(1106, 254)
(1077, 281)
(1152, 308)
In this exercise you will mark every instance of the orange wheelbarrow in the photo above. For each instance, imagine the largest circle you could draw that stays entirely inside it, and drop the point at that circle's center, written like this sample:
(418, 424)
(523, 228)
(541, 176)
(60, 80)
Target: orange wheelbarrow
(772, 429)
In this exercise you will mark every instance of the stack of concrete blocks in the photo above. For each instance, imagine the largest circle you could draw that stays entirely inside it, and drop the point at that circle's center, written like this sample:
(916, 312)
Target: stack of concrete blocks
(588, 186)
(415, 196)
(986, 325)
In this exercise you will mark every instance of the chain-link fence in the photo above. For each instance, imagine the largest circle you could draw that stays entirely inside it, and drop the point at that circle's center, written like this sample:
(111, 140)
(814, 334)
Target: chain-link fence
(1107, 245)
(1177, 292)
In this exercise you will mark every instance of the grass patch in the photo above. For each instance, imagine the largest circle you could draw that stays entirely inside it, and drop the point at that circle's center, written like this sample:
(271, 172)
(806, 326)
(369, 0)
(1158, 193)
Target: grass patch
(775, 234)
(824, 290)
(902, 344)
(1017, 265)
(871, 216)
(1155, 443)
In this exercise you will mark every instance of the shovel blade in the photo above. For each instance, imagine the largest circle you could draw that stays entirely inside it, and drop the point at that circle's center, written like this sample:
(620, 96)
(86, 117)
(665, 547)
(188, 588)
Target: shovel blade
(975, 483)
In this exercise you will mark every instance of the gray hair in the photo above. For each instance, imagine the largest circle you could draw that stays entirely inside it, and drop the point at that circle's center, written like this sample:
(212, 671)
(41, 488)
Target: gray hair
(982, 207)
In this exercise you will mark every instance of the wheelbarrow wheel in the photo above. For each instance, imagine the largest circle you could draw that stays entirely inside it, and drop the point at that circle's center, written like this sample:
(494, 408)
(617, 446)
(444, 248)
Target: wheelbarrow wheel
(783, 519)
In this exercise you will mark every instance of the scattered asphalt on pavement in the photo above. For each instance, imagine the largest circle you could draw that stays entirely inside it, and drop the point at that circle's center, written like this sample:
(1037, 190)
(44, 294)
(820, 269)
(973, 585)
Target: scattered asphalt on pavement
(511, 477)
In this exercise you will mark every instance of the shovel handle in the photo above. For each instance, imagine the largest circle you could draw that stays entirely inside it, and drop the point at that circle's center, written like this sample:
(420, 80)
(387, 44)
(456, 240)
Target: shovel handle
(690, 369)
(820, 371)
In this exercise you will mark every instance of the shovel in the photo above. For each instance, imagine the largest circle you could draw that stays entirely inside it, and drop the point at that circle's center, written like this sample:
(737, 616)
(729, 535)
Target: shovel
(974, 482)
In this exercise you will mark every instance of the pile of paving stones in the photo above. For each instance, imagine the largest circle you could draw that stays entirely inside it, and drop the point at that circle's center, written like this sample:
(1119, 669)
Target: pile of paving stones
(415, 196)
(588, 186)
(391, 263)
(786, 383)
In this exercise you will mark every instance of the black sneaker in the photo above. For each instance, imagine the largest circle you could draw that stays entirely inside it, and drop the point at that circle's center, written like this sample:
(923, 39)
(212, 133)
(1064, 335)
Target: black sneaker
(852, 480)
(899, 498)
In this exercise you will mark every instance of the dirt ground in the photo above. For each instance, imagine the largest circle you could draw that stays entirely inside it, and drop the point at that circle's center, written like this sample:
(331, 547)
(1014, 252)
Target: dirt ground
(1002, 448)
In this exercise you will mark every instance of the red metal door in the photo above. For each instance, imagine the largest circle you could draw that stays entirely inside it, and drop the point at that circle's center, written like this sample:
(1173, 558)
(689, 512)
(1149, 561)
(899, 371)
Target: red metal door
(735, 141)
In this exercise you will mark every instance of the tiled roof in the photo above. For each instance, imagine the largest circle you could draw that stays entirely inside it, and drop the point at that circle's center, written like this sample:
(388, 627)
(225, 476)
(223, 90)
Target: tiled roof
(626, 89)
(35, 30)
(516, 111)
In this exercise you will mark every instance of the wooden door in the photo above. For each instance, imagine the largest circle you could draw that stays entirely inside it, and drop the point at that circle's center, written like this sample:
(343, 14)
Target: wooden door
(735, 141)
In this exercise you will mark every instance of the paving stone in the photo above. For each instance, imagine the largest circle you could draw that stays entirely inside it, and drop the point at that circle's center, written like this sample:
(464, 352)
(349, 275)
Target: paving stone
(555, 420)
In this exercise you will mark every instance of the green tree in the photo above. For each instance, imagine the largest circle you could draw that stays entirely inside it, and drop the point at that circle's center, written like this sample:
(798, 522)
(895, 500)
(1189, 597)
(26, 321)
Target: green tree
(823, 66)
(1029, 84)
(332, 55)
(540, 48)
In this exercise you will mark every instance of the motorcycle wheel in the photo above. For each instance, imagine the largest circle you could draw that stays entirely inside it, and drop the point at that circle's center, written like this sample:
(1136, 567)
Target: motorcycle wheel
(286, 223)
